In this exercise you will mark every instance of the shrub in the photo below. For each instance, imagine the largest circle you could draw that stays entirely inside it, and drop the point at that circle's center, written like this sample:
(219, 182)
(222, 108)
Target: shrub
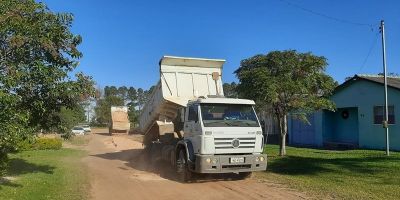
(39, 144)
(3, 164)
(67, 135)
(24, 145)
(47, 143)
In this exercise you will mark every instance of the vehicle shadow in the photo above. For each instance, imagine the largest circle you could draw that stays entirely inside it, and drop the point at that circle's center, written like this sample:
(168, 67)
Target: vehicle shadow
(135, 159)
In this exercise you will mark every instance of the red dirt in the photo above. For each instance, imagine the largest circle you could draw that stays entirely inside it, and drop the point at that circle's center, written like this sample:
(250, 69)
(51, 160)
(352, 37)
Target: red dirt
(117, 171)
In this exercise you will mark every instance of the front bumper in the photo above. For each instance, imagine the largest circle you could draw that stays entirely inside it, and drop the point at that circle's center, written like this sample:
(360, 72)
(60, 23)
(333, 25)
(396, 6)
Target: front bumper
(223, 164)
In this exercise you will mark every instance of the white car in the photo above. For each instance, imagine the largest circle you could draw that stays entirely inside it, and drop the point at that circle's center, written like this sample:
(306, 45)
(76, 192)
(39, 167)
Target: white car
(78, 130)
(86, 128)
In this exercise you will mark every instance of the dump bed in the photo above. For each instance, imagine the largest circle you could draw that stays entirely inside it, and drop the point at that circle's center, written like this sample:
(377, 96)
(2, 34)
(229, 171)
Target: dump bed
(181, 79)
(119, 118)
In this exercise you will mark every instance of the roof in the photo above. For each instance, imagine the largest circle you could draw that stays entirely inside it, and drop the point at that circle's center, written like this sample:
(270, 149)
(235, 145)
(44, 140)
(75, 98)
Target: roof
(392, 81)
(225, 101)
(188, 61)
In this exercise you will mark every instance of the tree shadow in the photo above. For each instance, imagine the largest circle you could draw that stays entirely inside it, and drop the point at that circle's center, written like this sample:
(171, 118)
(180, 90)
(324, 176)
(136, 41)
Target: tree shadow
(296, 165)
(7, 182)
(19, 167)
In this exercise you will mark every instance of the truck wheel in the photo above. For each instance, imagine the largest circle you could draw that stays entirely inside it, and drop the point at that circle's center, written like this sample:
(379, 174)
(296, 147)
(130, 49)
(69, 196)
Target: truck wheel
(182, 168)
(244, 175)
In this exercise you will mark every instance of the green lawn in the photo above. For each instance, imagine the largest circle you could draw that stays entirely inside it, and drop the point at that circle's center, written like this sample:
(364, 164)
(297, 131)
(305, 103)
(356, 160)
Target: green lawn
(353, 174)
(46, 174)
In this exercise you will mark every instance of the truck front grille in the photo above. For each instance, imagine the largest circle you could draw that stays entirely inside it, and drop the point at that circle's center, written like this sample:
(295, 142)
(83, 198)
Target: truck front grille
(227, 143)
(236, 166)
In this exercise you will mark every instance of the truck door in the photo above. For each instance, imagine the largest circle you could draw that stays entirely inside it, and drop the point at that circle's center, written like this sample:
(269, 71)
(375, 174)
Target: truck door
(192, 127)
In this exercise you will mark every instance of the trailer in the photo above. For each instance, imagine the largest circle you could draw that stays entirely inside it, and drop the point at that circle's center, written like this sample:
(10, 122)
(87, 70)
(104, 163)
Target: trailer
(188, 123)
(119, 120)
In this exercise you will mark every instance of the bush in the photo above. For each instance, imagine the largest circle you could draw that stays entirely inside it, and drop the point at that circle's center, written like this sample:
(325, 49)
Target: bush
(40, 144)
(3, 164)
(67, 136)
(47, 143)
(24, 145)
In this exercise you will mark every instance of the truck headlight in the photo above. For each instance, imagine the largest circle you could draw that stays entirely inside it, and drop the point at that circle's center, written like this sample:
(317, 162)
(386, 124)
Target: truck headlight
(208, 132)
(214, 161)
(259, 132)
(208, 160)
(262, 159)
(257, 159)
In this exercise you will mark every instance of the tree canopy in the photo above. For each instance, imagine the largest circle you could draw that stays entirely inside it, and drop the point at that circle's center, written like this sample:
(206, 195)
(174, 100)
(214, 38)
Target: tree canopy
(131, 97)
(230, 90)
(38, 52)
(285, 82)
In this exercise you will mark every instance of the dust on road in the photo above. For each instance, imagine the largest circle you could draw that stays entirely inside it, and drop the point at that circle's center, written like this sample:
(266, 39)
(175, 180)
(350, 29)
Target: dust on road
(117, 172)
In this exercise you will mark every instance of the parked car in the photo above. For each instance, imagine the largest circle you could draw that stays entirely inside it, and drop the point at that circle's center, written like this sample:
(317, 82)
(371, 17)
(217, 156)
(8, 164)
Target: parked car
(86, 128)
(77, 130)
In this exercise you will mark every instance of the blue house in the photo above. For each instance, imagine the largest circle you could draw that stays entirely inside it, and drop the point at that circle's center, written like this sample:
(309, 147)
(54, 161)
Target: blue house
(357, 122)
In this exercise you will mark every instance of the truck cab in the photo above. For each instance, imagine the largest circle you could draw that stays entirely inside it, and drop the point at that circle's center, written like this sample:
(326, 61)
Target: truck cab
(225, 136)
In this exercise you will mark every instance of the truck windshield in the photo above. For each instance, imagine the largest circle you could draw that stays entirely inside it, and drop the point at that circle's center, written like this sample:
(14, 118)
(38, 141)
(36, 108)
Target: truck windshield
(228, 115)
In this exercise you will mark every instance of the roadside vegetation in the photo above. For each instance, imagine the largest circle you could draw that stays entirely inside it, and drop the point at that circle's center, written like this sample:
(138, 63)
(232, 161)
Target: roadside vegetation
(352, 174)
(41, 90)
(283, 82)
(45, 174)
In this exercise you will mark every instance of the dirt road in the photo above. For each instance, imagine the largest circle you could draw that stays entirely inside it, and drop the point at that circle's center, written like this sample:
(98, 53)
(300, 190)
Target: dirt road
(117, 171)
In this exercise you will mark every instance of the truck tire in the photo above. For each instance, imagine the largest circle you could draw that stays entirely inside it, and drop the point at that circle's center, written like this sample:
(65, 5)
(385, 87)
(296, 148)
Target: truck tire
(182, 168)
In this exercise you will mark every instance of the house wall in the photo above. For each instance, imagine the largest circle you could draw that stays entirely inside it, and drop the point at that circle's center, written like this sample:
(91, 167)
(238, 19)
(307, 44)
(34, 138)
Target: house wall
(365, 95)
(315, 139)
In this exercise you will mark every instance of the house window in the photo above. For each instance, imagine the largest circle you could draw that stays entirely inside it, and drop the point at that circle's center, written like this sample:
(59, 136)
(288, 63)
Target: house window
(379, 115)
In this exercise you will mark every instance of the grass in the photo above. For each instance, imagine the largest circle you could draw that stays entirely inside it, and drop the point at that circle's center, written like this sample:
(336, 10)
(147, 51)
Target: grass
(46, 174)
(353, 174)
(79, 140)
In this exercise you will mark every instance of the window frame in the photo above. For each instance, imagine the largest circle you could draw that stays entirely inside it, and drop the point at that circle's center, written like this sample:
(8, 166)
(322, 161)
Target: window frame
(392, 114)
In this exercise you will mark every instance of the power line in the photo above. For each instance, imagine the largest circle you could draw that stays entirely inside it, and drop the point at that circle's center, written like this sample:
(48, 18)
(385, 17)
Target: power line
(373, 44)
(327, 16)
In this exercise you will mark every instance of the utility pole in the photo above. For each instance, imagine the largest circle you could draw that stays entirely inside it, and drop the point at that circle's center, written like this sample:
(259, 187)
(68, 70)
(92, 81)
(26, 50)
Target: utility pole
(386, 121)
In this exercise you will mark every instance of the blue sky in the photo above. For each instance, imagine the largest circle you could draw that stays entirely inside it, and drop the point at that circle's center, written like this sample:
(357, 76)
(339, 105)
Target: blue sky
(124, 40)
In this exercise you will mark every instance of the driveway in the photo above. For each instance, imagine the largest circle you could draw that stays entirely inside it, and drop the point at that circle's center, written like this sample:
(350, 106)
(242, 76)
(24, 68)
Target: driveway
(118, 172)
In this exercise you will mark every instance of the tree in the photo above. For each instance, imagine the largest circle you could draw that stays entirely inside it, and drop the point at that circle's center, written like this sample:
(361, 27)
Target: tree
(133, 114)
(230, 90)
(70, 117)
(103, 108)
(141, 98)
(132, 94)
(37, 54)
(110, 91)
(285, 82)
(123, 92)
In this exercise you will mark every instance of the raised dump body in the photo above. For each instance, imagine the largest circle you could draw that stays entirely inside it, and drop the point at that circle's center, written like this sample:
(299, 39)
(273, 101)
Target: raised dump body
(188, 123)
(181, 79)
(119, 119)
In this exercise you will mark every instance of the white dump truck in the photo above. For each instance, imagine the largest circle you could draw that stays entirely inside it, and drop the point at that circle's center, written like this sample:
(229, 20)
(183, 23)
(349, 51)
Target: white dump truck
(119, 119)
(190, 124)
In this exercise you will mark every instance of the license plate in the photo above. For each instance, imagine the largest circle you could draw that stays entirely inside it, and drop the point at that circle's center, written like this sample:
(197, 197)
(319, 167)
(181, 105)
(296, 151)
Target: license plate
(237, 160)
